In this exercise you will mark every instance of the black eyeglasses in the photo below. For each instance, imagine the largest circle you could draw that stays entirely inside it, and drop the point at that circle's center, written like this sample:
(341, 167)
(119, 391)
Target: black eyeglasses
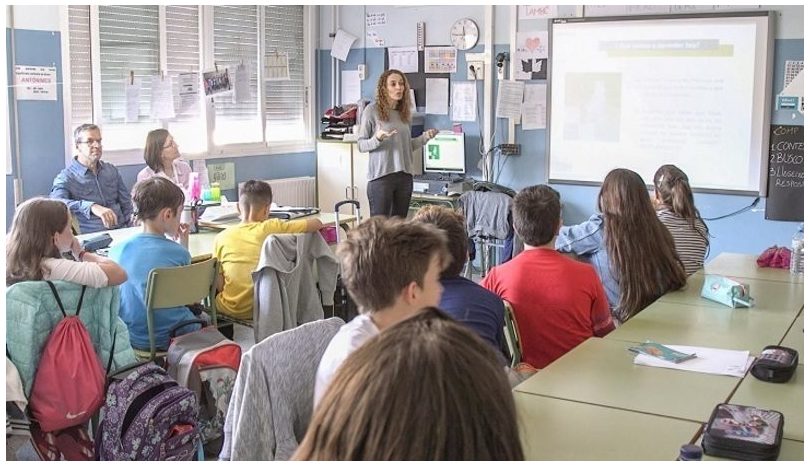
(90, 142)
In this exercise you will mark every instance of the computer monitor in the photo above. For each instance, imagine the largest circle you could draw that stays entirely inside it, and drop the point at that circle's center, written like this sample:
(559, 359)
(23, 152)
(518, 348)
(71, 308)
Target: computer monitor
(445, 154)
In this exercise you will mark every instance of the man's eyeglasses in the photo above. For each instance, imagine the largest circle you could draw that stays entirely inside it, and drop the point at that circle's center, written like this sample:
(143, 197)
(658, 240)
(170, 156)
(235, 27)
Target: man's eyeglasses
(90, 142)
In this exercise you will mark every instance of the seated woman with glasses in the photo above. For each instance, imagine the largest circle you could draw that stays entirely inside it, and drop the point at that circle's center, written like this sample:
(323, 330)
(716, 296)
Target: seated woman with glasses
(162, 158)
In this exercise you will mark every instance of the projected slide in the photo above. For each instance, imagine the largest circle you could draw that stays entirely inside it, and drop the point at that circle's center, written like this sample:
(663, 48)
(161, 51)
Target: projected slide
(640, 93)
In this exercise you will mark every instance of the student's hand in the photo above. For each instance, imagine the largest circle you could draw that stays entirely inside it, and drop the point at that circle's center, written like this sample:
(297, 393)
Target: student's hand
(181, 235)
(76, 247)
(431, 133)
(382, 135)
(107, 216)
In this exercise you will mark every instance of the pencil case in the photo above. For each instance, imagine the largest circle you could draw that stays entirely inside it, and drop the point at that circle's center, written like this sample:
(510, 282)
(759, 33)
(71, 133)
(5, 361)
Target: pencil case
(775, 364)
(726, 291)
(97, 242)
(743, 433)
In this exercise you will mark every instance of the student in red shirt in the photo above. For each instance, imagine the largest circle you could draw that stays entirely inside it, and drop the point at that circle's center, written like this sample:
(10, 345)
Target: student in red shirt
(558, 302)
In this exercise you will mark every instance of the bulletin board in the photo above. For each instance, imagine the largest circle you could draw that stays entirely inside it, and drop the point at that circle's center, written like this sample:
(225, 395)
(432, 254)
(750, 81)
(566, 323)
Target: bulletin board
(417, 80)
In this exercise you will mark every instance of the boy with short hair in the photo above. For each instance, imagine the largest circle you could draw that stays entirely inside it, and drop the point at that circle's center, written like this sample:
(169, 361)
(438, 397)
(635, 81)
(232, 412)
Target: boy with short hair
(237, 248)
(464, 300)
(391, 269)
(558, 302)
(158, 204)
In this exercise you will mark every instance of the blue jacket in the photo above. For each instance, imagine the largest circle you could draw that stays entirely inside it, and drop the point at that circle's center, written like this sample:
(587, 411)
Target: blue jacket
(80, 188)
(32, 313)
(587, 240)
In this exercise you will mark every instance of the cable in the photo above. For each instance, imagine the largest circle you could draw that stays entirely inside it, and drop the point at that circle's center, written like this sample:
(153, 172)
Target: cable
(748, 207)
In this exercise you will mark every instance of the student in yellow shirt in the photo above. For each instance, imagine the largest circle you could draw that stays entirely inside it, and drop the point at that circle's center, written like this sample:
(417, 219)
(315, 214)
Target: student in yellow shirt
(237, 248)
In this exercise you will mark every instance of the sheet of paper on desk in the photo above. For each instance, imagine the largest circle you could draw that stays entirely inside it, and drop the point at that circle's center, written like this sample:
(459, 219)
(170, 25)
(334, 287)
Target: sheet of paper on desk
(708, 360)
(220, 213)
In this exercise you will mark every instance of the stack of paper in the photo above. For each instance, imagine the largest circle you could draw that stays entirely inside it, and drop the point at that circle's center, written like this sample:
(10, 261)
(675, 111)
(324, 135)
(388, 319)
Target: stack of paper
(708, 360)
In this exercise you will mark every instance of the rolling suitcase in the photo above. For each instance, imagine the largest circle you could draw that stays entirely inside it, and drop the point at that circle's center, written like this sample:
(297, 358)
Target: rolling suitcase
(344, 306)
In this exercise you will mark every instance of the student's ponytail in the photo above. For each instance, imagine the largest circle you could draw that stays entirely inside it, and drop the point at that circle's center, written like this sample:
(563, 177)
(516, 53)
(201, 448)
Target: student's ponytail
(673, 190)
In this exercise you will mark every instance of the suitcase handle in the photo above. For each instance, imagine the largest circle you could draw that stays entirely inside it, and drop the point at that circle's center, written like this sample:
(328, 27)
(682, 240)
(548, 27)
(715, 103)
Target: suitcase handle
(340, 204)
(355, 208)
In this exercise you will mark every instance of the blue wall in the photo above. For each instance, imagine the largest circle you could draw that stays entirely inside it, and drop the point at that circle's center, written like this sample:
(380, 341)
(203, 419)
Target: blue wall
(747, 232)
(42, 135)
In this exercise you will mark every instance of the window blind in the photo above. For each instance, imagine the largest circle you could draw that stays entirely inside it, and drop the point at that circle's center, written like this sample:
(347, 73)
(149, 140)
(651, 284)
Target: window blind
(129, 41)
(81, 73)
(183, 56)
(285, 101)
(236, 43)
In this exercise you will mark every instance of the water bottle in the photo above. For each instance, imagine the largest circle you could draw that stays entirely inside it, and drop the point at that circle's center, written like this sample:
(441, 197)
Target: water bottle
(690, 452)
(797, 252)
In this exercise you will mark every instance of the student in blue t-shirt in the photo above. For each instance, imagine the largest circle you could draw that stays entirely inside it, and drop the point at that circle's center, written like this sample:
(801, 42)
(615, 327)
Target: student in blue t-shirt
(158, 204)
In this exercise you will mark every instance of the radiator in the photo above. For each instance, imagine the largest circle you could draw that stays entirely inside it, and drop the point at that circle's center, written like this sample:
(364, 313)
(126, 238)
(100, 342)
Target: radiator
(295, 192)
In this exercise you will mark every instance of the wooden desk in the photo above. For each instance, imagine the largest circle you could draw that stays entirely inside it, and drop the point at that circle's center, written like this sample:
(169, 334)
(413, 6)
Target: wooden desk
(553, 429)
(714, 327)
(771, 297)
(601, 371)
(744, 265)
(787, 398)
(795, 337)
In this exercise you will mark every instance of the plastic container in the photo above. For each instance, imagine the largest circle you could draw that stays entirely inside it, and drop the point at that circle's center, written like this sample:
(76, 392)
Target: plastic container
(690, 452)
(215, 191)
(797, 252)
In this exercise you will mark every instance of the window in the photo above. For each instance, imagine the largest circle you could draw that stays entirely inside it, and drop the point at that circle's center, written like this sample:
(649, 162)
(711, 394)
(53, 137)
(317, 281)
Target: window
(106, 43)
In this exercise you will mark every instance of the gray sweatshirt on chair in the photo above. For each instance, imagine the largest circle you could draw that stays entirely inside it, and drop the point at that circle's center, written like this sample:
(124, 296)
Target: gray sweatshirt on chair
(271, 404)
(285, 289)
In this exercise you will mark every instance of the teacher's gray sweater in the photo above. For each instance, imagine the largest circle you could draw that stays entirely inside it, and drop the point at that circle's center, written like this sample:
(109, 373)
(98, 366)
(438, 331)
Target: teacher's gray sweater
(392, 155)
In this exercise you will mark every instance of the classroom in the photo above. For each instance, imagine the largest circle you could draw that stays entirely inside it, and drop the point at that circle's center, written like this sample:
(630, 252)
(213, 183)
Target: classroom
(289, 191)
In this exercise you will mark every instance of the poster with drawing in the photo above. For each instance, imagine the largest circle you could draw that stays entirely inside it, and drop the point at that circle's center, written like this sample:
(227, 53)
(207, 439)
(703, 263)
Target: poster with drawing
(531, 55)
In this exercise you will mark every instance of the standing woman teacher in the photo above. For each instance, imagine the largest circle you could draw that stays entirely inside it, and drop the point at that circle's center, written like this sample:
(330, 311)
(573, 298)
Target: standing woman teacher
(385, 133)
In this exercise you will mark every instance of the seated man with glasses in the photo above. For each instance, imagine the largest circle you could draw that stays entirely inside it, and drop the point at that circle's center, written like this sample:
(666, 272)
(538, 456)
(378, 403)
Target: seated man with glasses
(93, 190)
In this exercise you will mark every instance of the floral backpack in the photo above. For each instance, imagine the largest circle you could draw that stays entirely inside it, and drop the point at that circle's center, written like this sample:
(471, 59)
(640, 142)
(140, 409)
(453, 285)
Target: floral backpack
(147, 416)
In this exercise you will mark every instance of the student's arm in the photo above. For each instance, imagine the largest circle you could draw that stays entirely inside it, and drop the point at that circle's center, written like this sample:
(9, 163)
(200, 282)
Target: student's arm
(116, 275)
(601, 319)
(219, 282)
(313, 224)
(584, 238)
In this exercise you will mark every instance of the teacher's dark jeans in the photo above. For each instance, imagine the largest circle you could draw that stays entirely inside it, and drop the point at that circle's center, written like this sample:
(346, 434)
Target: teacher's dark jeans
(390, 195)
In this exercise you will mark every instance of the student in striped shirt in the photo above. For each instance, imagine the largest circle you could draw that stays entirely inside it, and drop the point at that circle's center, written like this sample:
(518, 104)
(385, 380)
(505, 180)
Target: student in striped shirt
(675, 206)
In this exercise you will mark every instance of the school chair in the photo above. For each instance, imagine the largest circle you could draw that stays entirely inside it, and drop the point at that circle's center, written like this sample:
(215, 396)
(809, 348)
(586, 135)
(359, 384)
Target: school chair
(511, 334)
(74, 225)
(169, 287)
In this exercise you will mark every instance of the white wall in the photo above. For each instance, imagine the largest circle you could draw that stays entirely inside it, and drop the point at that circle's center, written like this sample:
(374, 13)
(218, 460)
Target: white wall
(35, 17)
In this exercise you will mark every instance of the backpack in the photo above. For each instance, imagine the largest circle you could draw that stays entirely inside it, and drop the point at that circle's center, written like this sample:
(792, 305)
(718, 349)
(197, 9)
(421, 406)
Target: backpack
(68, 387)
(147, 417)
(206, 363)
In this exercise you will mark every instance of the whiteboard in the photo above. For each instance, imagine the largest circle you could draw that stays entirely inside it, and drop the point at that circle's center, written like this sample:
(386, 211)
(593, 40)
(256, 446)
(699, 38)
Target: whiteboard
(638, 92)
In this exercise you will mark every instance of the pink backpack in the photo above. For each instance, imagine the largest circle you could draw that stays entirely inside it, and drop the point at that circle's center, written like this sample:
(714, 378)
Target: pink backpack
(68, 387)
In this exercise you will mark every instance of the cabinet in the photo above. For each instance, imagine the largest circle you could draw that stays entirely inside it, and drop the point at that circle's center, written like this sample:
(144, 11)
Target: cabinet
(341, 175)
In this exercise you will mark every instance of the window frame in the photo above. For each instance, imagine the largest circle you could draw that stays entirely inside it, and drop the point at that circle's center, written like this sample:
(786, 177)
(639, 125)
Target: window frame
(134, 156)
